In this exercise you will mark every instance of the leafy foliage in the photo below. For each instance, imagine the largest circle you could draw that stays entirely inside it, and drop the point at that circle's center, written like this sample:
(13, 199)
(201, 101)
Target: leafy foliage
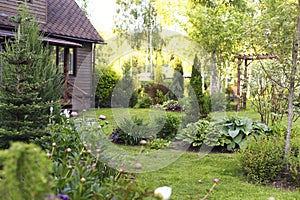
(108, 80)
(170, 127)
(158, 143)
(263, 162)
(26, 172)
(194, 133)
(231, 132)
(30, 85)
(132, 132)
(238, 130)
(75, 149)
(172, 105)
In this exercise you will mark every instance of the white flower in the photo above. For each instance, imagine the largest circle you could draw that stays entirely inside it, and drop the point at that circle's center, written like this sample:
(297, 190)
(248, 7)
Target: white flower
(66, 113)
(271, 198)
(163, 192)
(51, 110)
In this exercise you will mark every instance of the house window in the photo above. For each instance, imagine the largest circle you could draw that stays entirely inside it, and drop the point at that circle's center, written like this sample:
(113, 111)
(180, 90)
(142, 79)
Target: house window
(60, 54)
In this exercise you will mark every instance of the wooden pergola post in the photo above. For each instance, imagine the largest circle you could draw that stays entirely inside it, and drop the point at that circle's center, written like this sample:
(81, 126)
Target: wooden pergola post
(239, 84)
(242, 98)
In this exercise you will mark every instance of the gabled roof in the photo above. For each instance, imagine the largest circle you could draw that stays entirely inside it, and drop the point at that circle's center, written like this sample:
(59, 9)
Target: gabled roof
(65, 18)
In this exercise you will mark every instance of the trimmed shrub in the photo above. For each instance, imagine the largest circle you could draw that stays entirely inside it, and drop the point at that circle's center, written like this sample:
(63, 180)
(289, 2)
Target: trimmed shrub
(107, 81)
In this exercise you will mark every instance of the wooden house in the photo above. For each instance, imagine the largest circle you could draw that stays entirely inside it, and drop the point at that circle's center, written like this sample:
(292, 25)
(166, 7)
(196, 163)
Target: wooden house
(72, 38)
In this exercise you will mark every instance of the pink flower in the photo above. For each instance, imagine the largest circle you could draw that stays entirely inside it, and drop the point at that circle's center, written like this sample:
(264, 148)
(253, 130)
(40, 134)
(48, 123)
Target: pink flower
(74, 114)
(137, 165)
(216, 180)
(143, 142)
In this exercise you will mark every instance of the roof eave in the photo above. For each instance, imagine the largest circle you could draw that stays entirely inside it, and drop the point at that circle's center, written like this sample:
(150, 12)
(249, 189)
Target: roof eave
(75, 38)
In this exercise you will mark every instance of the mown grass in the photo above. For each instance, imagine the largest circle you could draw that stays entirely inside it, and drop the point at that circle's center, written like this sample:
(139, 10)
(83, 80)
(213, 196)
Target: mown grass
(183, 174)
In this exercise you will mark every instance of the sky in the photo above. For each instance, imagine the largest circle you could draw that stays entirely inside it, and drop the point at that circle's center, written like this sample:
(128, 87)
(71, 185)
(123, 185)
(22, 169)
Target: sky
(101, 14)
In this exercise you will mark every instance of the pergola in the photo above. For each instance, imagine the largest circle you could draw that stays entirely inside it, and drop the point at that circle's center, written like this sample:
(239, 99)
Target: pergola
(247, 60)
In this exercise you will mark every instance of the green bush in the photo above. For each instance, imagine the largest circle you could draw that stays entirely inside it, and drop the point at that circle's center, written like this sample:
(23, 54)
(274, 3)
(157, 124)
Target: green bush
(106, 84)
(156, 92)
(26, 172)
(294, 163)
(263, 162)
(170, 127)
(144, 102)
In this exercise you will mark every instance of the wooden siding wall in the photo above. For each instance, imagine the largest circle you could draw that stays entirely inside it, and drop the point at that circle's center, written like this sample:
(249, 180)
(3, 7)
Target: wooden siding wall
(83, 79)
(36, 8)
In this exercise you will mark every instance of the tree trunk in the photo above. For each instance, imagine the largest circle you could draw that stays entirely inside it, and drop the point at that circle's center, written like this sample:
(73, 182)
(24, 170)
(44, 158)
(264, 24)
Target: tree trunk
(292, 86)
(214, 75)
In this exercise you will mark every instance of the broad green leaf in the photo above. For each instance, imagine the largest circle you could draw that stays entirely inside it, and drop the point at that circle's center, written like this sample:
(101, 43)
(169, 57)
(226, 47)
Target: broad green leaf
(233, 133)
(238, 139)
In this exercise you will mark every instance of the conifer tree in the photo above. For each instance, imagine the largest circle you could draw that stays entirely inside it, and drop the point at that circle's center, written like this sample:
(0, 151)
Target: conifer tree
(177, 86)
(31, 83)
(196, 86)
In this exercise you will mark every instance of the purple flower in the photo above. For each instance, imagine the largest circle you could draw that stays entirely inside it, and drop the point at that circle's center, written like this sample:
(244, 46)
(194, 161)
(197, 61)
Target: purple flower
(63, 196)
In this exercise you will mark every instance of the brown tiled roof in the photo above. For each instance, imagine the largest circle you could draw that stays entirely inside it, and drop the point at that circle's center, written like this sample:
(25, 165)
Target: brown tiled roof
(65, 18)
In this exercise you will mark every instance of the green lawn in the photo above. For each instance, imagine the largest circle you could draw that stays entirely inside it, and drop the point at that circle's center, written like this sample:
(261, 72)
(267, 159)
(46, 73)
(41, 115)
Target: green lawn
(183, 173)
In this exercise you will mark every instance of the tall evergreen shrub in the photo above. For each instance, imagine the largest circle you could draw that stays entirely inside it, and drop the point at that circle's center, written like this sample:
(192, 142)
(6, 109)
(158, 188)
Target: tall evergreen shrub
(31, 83)
(196, 85)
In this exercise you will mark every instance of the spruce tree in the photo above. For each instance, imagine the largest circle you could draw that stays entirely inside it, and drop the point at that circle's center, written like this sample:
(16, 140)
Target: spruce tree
(196, 86)
(31, 83)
